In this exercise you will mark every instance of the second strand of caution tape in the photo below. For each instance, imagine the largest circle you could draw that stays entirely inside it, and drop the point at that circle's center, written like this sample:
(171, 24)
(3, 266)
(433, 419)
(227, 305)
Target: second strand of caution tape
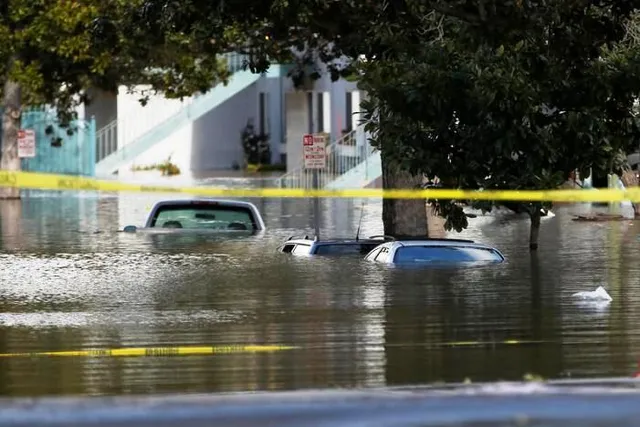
(155, 351)
(231, 349)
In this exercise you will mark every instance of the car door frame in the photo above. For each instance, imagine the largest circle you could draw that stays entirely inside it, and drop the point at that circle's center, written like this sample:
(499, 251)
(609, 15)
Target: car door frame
(384, 250)
(371, 256)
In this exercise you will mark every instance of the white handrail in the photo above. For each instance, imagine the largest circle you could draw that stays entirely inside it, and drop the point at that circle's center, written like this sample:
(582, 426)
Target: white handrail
(129, 127)
(343, 154)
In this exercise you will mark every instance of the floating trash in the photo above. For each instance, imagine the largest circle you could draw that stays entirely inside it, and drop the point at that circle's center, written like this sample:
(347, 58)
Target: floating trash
(600, 294)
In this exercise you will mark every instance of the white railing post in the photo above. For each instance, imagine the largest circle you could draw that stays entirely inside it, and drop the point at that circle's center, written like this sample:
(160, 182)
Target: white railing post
(114, 137)
(345, 153)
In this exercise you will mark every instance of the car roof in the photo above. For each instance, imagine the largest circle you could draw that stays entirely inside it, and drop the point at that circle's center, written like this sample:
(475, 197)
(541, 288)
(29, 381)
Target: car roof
(335, 241)
(405, 241)
(299, 241)
(224, 202)
(436, 242)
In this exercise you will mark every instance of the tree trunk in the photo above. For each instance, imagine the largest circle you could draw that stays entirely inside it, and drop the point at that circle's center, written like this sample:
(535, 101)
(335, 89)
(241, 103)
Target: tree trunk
(630, 180)
(534, 231)
(402, 217)
(9, 160)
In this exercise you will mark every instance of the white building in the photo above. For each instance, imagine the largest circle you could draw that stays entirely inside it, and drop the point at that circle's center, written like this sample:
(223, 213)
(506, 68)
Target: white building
(203, 133)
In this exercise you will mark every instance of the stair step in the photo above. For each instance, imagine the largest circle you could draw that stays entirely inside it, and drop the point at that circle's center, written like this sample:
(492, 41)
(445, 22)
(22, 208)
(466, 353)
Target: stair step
(196, 108)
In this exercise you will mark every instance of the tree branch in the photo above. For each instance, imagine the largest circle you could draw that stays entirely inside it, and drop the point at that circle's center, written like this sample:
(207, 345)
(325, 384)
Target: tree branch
(463, 16)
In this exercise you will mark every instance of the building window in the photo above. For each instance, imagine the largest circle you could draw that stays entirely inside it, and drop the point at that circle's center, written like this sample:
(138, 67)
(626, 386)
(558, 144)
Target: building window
(320, 106)
(348, 111)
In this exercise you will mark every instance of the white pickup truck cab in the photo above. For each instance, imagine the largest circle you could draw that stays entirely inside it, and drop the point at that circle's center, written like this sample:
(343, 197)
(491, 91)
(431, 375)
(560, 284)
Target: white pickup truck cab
(202, 215)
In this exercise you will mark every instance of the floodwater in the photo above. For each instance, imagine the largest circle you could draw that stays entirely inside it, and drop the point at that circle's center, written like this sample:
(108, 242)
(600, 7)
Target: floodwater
(70, 281)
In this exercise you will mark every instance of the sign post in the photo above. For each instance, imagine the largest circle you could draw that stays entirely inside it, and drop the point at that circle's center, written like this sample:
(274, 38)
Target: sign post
(314, 151)
(26, 143)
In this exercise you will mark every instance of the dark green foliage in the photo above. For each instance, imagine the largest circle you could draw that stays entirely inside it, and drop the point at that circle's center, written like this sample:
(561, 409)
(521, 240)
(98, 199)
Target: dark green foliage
(518, 103)
(56, 50)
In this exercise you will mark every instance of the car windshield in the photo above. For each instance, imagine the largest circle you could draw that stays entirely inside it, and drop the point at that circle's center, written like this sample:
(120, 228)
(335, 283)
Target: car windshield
(205, 216)
(409, 254)
(344, 248)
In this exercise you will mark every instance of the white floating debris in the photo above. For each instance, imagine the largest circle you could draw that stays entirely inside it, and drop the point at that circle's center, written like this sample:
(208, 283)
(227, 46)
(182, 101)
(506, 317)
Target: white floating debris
(600, 294)
(549, 214)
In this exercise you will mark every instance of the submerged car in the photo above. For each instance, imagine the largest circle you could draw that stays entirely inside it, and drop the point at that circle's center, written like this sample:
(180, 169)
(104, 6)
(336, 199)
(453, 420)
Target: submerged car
(202, 215)
(434, 251)
(307, 246)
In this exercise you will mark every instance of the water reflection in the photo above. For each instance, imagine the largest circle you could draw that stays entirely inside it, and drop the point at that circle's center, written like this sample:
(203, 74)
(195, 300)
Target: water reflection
(69, 279)
(11, 224)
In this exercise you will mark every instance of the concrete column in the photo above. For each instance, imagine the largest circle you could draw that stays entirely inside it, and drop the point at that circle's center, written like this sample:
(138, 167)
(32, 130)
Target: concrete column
(355, 106)
(276, 117)
(297, 121)
(326, 115)
(338, 105)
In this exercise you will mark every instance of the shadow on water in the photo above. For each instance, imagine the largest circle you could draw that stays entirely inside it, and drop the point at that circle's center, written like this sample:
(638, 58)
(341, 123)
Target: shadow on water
(70, 280)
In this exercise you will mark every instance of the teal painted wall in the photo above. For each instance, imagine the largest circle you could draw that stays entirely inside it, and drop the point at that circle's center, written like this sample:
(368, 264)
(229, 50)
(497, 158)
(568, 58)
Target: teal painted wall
(75, 156)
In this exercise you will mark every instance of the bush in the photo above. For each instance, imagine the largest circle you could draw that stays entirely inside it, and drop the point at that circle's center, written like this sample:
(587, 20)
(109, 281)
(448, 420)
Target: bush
(255, 145)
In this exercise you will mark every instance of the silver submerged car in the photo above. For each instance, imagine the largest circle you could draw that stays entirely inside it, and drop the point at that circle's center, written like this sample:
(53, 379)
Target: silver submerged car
(339, 247)
(425, 252)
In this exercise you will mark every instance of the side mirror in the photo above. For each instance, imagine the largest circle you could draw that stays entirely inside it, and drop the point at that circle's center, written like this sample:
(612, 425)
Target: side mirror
(130, 229)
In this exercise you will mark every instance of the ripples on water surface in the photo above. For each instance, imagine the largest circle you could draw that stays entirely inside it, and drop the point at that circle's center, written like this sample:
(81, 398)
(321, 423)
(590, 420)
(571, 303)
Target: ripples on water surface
(69, 280)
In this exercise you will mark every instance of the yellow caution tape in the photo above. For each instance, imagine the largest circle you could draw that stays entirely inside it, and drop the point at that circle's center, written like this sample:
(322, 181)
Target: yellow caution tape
(42, 181)
(156, 351)
(231, 349)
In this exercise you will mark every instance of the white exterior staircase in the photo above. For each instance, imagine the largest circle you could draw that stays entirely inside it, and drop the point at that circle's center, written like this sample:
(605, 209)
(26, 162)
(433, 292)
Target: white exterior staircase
(351, 163)
(117, 148)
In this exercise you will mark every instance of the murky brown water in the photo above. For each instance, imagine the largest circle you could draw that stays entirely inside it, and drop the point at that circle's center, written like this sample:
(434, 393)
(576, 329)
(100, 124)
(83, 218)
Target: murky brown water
(69, 281)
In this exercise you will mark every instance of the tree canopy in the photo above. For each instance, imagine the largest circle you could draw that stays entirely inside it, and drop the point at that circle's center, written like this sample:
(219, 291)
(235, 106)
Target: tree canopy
(54, 51)
(515, 96)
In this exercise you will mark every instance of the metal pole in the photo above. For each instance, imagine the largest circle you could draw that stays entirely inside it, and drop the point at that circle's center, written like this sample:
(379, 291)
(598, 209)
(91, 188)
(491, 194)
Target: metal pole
(316, 205)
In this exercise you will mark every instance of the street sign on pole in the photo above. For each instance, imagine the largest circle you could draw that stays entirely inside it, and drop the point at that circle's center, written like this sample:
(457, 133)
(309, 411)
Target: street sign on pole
(314, 151)
(26, 143)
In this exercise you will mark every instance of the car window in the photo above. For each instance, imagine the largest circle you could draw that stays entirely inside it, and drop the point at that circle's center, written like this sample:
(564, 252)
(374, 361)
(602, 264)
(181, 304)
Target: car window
(444, 254)
(288, 248)
(205, 216)
(372, 255)
(301, 249)
(343, 249)
(383, 255)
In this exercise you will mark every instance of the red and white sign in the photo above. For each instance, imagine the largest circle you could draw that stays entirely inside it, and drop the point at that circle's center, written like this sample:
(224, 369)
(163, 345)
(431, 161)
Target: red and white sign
(314, 150)
(26, 143)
